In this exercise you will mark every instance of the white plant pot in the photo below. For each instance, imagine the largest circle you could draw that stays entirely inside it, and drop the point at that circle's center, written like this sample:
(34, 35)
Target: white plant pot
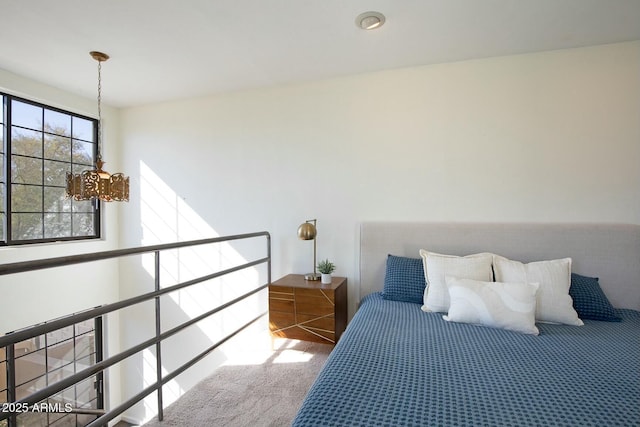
(326, 278)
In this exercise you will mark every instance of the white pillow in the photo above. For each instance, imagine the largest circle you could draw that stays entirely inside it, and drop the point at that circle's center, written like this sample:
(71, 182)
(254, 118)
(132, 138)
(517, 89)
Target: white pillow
(509, 306)
(554, 303)
(437, 266)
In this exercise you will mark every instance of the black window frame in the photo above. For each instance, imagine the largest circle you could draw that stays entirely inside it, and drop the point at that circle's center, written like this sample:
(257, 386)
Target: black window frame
(6, 181)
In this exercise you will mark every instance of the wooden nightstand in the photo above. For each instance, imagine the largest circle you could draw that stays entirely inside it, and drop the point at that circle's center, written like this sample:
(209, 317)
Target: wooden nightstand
(308, 310)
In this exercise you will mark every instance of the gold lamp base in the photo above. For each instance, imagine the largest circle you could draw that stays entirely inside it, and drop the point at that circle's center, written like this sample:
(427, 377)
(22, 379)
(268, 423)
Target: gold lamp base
(308, 231)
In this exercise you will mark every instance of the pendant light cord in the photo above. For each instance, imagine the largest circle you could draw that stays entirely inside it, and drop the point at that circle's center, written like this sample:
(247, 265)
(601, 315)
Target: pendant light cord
(99, 157)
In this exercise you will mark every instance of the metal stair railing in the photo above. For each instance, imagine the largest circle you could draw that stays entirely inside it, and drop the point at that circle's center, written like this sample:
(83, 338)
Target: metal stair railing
(103, 417)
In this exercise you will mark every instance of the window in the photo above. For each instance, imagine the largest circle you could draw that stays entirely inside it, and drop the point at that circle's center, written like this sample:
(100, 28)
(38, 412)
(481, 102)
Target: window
(36, 362)
(38, 145)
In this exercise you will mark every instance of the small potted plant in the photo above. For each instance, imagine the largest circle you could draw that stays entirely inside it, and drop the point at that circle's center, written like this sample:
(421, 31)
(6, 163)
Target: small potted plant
(325, 268)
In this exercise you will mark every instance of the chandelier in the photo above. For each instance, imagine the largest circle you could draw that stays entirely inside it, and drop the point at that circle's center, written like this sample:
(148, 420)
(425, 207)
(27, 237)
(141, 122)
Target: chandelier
(98, 183)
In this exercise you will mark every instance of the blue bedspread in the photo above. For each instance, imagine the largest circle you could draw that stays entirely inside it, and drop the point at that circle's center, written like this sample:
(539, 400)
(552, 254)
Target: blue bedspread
(398, 366)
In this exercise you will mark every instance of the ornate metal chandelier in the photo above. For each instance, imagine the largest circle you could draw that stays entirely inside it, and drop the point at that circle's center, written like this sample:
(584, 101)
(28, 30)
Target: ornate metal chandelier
(97, 183)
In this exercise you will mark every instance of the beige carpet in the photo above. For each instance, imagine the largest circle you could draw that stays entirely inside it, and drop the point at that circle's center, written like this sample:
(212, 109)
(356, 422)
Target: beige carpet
(265, 394)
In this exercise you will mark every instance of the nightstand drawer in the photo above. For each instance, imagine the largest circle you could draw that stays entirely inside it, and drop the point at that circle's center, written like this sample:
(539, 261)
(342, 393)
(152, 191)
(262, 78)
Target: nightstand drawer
(313, 305)
(308, 310)
(279, 320)
(284, 290)
(285, 305)
(326, 322)
(315, 293)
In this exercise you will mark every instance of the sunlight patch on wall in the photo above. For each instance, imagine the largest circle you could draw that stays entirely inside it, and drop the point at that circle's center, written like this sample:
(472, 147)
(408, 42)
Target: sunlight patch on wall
(166, 217)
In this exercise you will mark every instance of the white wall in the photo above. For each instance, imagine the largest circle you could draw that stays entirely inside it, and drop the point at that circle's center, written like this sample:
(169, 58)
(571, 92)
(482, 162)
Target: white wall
(551, 136)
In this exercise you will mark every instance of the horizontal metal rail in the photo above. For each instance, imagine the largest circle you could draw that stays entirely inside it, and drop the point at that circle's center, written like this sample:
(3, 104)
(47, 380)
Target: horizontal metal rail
(105, 416)
(21, 267)
(43, 328)
(58, 386)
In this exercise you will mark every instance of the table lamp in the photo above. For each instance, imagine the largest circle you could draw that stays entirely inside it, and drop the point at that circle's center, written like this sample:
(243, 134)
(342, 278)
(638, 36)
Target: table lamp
(308, 231)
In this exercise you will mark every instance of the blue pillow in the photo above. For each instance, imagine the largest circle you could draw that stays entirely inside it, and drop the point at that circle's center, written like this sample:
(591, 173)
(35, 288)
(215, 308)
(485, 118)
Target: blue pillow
(404, 279)
(589, 300)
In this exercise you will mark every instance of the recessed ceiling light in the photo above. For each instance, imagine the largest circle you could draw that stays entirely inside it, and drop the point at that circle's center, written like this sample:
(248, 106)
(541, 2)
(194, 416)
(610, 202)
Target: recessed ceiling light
(370, 20)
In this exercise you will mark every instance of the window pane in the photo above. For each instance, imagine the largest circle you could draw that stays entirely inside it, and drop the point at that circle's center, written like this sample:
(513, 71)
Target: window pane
(82, 152)
(26, 115)
(26, 198)
(3, 216)
(83, 129)
(59, 335)
(84, 206)
(85, 393)
(37, 343)
(77, 169)
(55, 173)
(85, 350)
(56, 122)
(32, 418)
(3, 385)
(58, 368)
(55, 200)
(86, 327)
(3, 231)
(26, 226)
(57, 148)
(26, 142)
(83, 225)
(29, 368)
(26, 170)
(57, 225)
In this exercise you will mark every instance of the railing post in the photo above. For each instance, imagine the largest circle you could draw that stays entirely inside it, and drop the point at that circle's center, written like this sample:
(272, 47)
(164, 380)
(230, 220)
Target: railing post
(99, 349)
(10, 354)
(158, 332)
(269, 258)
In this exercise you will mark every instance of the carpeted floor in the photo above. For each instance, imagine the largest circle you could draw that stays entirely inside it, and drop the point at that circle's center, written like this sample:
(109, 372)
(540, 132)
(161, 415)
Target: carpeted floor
(251, 394)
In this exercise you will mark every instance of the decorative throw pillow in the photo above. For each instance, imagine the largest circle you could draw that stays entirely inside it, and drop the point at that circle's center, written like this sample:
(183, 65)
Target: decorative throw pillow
(554, 304)
(437, 266)
(404, 279)
(509, 306)
(589, 300)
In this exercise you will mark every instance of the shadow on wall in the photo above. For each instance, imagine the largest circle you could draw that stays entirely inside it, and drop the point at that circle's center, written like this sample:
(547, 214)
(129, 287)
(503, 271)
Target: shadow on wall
(165, 217)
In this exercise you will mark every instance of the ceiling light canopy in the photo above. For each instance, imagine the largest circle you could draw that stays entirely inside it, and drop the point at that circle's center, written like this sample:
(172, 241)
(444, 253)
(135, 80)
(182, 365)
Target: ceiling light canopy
(370, 20)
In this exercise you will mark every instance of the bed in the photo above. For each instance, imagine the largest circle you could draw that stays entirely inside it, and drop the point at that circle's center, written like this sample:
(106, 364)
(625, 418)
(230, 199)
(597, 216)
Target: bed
(399, 365)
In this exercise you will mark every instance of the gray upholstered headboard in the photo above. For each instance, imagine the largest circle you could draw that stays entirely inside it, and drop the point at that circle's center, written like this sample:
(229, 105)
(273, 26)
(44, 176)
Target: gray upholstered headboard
(610, 252)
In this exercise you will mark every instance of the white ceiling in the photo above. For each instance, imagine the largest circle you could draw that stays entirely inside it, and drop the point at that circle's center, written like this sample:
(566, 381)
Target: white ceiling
(168, 49)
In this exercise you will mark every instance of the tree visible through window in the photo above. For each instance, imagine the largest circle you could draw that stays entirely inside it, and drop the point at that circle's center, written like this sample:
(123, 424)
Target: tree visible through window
(39, 145)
